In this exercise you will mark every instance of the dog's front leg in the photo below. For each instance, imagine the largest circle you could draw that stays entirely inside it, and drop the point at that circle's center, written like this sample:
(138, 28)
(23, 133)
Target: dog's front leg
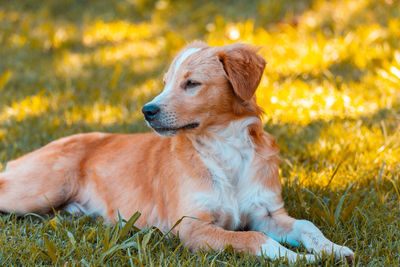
(196, 234)
(284, 228)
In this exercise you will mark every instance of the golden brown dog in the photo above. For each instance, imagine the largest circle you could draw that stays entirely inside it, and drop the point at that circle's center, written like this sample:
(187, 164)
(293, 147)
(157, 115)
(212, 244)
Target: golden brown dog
(217, 164)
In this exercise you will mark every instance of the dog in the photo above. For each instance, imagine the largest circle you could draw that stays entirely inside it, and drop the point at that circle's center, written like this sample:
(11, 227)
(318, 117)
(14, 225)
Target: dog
(209, 159)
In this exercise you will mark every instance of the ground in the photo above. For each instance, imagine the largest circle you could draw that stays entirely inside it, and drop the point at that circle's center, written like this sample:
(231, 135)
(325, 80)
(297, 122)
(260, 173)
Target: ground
(330, 92)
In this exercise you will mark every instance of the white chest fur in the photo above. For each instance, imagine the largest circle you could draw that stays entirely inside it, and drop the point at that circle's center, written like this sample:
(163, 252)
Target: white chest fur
(229, 154)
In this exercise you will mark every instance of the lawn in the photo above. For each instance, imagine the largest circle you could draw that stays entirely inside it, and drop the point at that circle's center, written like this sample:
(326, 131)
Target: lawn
(330, 91)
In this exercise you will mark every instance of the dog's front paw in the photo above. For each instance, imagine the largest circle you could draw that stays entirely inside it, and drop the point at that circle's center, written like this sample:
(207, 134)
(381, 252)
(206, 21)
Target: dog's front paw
(341, 252)
(273, 250)
(344, 253)
(313, 239)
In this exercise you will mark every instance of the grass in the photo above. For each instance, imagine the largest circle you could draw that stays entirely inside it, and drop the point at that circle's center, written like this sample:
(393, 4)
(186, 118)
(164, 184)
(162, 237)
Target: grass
(330, 91)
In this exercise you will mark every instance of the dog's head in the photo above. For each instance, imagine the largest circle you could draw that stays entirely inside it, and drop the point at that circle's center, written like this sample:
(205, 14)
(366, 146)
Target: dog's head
(206, 86)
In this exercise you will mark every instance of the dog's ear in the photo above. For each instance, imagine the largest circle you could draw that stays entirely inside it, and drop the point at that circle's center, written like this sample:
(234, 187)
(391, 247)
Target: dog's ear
(243, 67)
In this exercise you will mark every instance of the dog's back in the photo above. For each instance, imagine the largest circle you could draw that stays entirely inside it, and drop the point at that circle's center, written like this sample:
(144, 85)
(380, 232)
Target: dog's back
(104, 174)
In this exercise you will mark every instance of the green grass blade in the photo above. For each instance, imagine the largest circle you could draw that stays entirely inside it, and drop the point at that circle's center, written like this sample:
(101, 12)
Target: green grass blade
(129, 225)
(173, 227)
(339, 207)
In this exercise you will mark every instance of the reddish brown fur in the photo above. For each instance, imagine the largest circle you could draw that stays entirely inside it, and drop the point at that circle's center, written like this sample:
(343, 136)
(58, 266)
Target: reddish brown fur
(244, 69)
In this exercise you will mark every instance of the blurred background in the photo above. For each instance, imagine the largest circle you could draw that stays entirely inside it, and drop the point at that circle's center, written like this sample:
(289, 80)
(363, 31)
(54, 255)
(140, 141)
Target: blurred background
(75, 66)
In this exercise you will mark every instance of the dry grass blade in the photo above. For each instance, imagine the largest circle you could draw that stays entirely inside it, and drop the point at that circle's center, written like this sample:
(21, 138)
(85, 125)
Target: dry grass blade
(334, 173)
(395, 188)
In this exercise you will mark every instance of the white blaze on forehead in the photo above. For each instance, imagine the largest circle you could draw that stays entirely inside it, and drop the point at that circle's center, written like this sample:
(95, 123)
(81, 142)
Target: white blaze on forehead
(182, 58)
(178, 63)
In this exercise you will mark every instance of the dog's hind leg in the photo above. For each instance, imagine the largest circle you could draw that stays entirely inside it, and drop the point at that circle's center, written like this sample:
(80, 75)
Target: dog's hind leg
(22, 193)
(36, 183)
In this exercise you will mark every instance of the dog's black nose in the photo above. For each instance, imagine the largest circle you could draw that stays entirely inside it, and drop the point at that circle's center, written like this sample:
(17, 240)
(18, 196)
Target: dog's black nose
(150, 111)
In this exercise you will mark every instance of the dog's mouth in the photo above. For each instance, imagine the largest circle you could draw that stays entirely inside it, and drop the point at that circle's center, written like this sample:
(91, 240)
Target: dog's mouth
(175, 129)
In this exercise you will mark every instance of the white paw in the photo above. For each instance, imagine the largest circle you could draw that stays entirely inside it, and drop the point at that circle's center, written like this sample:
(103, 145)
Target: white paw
(341, 252)
(344, 253)
(313, 239)
(310, 258)
(273, 250)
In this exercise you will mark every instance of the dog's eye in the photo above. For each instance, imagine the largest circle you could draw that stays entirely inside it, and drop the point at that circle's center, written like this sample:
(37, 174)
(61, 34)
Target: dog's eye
(191, 84)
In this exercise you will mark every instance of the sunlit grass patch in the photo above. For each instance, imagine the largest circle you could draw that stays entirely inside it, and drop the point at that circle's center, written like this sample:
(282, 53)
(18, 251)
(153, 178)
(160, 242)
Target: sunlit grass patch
(95, 113)
(72, 63)
(117, 31)
(30, 106)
